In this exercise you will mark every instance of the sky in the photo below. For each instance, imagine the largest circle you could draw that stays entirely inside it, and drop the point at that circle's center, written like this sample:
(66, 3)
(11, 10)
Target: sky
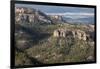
(57, 9)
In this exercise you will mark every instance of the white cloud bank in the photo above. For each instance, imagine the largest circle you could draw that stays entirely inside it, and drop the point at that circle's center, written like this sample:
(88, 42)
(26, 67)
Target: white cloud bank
(73, 15)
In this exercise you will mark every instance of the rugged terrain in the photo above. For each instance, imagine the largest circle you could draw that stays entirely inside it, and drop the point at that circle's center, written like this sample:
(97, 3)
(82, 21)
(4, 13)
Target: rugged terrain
(35, 43)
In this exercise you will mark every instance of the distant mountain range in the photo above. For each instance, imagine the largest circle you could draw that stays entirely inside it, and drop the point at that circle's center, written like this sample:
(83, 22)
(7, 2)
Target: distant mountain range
(88, 20)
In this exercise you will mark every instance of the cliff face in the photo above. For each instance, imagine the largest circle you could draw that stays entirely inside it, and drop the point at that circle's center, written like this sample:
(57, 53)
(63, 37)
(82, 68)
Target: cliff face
(76, 34)
(30, 15)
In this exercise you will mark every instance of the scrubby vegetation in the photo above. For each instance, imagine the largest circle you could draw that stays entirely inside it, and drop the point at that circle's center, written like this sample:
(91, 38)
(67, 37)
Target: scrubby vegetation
(35, 45)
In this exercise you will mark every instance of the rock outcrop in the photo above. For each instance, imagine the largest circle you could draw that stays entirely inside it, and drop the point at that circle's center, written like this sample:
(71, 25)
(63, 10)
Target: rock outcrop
(30, 15)
(59, 33)
(79, 34)
(56, 33)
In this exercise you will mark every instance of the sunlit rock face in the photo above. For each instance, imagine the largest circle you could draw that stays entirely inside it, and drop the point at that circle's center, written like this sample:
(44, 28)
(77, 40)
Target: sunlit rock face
(81, 35)
(29, 15)
(56, 33)
(19, 10)
(60, 33)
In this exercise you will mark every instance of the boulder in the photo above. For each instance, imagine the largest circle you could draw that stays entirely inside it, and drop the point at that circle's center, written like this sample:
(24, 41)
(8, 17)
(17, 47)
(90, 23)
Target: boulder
(90, 58)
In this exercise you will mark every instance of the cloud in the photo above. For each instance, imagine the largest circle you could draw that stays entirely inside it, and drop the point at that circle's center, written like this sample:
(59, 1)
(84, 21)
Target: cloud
(71, 13)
